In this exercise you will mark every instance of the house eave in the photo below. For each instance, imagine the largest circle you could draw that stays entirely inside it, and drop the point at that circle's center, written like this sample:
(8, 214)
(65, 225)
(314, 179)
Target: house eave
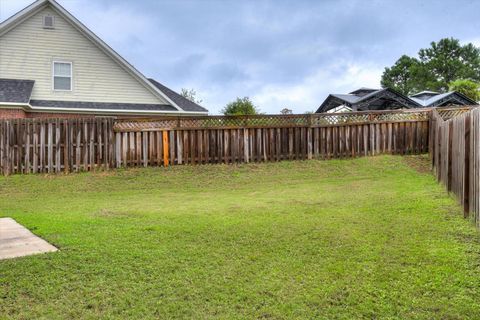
(21, 16)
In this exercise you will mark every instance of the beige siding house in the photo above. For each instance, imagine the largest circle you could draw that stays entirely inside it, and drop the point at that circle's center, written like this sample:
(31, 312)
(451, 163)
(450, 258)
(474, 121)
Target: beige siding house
(51, 63)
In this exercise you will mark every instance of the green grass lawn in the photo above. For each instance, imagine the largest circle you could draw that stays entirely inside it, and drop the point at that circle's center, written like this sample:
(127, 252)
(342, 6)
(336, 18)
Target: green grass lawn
(371, 238)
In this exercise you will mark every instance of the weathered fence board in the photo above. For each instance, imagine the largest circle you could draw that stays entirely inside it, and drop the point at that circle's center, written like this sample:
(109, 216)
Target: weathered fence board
(48, 146)
(455, 154)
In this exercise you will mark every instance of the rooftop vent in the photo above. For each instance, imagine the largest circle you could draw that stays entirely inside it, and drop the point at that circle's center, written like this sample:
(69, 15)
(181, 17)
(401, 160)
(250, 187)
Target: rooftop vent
(48, 22)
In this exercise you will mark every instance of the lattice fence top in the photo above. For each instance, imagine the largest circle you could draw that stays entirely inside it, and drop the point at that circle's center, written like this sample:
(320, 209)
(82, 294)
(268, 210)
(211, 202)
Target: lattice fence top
(448, 113)
(277, 121)
(325, 119)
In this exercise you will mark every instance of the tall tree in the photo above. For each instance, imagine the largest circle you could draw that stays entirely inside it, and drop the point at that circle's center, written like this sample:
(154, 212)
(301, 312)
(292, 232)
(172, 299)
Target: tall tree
(447, 60)
(241, 106)
(402, 76)
(436, 67)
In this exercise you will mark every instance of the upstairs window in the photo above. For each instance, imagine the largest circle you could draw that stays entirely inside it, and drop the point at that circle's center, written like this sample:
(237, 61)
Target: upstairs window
(62, 76)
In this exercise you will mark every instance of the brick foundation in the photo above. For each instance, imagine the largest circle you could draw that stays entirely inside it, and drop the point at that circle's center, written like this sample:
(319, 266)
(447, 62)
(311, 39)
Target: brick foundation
(46, 115)
(12, 114)
(21, 114)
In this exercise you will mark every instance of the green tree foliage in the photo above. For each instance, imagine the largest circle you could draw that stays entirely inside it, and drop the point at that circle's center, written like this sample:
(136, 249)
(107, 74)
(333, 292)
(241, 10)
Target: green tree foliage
(402, 76)
(435, 68)
(467, 87)
(241, 106)
(191, 95)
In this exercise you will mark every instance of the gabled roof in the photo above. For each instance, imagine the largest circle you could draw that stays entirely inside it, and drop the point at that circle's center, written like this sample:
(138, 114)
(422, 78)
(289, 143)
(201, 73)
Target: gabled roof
(13, 91)
(361, 97)
(40, 4)
(389, 92)
(442, 98)
(181, 101)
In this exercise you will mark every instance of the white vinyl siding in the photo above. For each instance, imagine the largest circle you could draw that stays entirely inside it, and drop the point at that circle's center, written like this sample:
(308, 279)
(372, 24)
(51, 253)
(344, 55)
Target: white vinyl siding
(28, 52)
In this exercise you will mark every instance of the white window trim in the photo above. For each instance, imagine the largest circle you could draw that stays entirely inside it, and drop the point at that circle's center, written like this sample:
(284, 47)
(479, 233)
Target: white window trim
(53, 76)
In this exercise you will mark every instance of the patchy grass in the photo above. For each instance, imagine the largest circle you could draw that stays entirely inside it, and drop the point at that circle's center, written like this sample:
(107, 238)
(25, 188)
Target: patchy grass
(369, 238)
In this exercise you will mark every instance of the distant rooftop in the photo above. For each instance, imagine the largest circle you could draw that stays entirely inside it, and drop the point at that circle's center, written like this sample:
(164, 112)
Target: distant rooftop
(389, 99)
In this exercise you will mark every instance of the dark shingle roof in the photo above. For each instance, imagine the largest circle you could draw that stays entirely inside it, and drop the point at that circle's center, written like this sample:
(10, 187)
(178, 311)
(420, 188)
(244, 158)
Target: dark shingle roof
(101, 105)
(350, 98)
(182, 102)
(363, 90)
(15, 91)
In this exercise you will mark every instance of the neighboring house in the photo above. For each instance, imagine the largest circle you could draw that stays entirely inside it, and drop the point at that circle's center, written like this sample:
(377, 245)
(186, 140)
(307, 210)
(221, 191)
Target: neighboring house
(51, 65)
(388, 99)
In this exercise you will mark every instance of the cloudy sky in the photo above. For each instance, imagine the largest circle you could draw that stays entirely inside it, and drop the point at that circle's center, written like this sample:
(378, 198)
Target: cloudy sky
(279, 53)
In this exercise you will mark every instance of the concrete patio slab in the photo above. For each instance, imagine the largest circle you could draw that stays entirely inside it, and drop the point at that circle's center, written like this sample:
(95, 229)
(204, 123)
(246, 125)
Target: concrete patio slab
(18, 241)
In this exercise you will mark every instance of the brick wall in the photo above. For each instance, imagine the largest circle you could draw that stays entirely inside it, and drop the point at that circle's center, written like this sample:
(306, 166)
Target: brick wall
(20, 114)
(46, 115)
(12, 114)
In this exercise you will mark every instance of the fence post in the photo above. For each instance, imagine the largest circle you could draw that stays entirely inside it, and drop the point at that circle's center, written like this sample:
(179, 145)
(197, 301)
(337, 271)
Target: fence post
(466, 182)
(309, 142)
(438, 151)
(8, 156)
(450, 155)
(246, 146)
(165, 148)
(310, 120)
(432, 120)
(118, 149)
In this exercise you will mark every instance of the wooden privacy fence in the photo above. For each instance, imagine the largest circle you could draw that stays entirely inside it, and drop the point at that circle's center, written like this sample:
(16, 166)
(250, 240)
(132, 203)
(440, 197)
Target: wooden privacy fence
(455, 154)
(65, 145)
(229, 145)
(36, 146)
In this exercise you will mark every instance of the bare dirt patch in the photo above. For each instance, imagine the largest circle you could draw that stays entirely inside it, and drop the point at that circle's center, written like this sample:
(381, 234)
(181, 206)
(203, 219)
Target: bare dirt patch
(421, 163)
